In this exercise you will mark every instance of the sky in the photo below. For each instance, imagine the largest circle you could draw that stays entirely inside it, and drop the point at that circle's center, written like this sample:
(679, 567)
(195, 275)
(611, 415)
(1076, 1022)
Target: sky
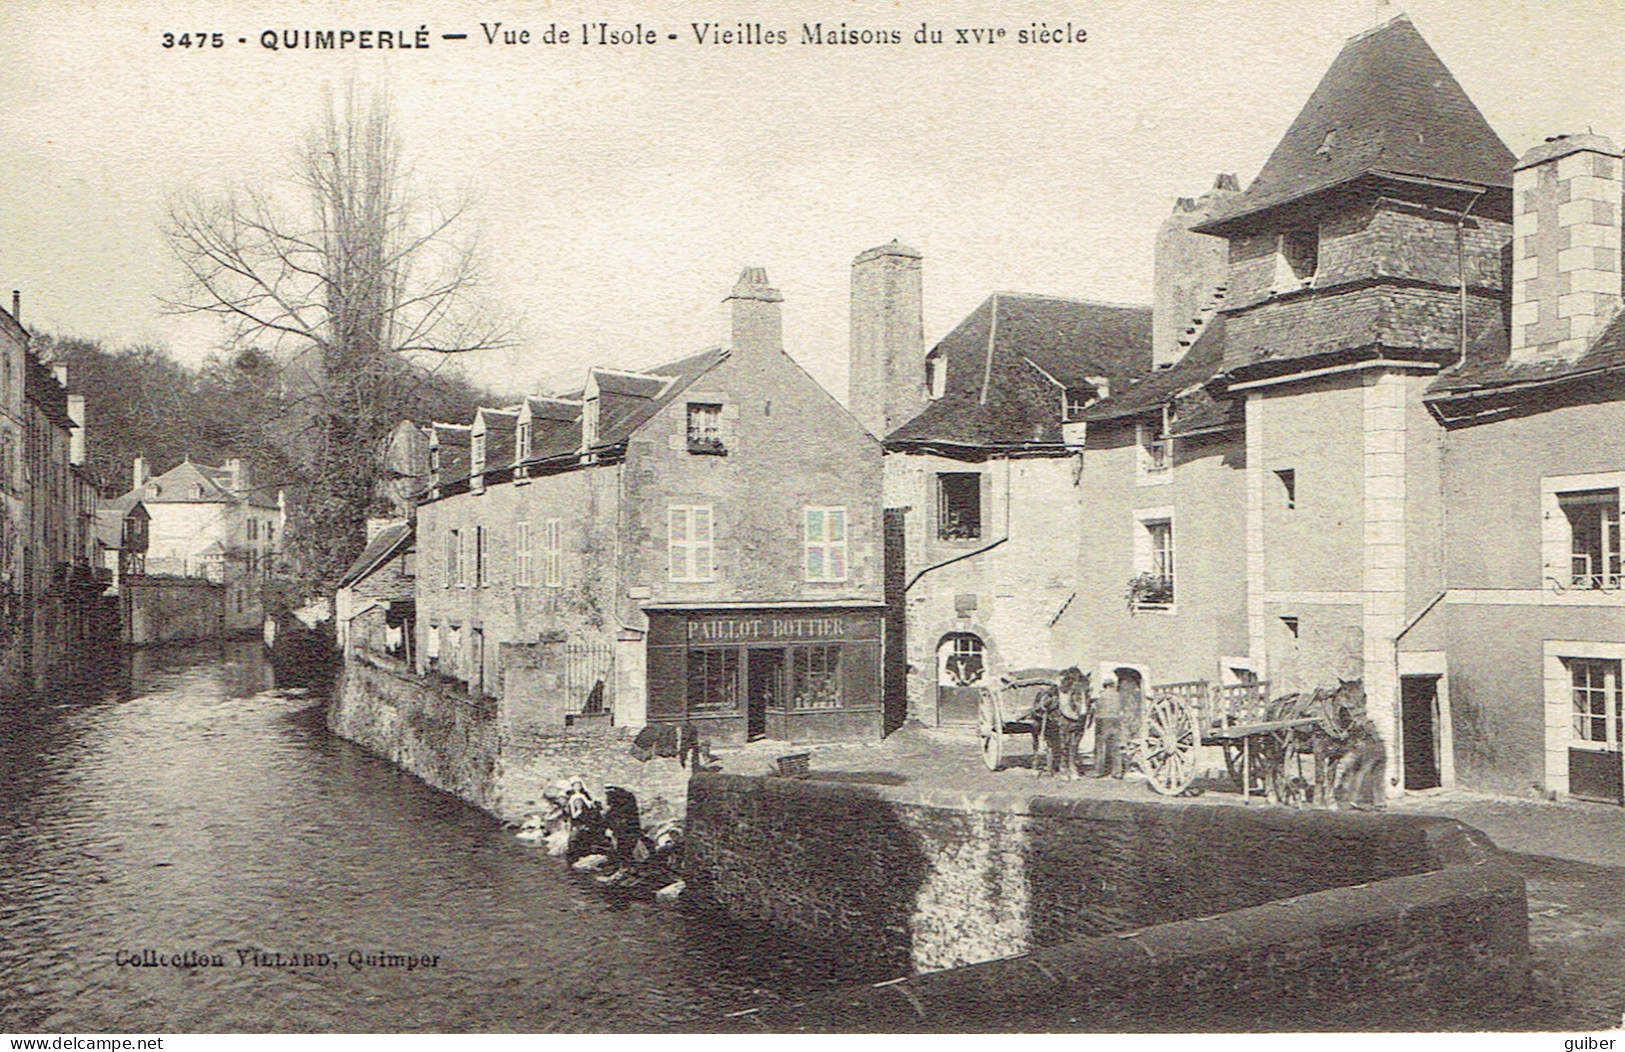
(618, 191)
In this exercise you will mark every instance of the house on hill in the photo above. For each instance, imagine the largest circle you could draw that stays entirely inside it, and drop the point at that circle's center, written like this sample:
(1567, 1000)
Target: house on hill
(697, 542)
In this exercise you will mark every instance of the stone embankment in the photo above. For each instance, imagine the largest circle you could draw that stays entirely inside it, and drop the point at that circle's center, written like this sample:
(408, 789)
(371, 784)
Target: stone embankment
(1113, 910)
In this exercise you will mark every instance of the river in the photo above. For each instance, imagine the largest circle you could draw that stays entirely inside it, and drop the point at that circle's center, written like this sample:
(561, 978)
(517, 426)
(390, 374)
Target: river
(186, 807)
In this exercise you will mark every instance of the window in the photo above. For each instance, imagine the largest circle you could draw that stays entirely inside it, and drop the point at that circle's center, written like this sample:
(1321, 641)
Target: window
(479, 556)
(270, 534)
(705, 428)
(253, 529)
(454, 557)
(1155, 453)
(1078, 399)
(1595, 684)
(824, 544)
(1593, 519)
(1297, 257)
(959, 505)
(963, 661)
(476, 454)
(936, 374)
(521, 548)
(690, 544)
(815, 676)
(1289, 485)
(1291, 625)
(522, 443)
(553, 552)
(1153, 584)
(713, 680)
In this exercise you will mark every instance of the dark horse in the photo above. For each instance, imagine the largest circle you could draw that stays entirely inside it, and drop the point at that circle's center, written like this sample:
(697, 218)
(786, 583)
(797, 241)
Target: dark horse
(1340, 740)
(1060, 716)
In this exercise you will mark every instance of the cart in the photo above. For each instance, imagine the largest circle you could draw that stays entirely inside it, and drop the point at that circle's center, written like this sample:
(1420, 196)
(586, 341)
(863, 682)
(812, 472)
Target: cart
(1262, 744)
(1014, 709)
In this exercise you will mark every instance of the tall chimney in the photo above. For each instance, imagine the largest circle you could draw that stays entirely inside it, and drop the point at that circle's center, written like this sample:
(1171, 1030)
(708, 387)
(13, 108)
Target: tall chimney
(754, 320)
(76, 442)
(1566, 246)
(1189, 272)
(886, 383)
(17, 305)
(237, 474)
(139, 473)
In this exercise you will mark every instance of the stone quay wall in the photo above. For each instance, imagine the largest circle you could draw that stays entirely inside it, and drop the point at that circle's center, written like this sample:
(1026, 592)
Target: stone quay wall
(435, 730)
(901, 881)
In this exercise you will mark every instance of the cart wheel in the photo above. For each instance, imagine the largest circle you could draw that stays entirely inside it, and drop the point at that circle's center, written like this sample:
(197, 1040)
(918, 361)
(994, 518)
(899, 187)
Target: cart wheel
(1168, 755)
(990, 723)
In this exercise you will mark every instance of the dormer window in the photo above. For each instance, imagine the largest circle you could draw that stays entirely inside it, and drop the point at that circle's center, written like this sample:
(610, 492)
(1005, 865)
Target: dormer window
(522, 443)
(705, 428)
(476, 455)
(1297, 258)
(936, 375)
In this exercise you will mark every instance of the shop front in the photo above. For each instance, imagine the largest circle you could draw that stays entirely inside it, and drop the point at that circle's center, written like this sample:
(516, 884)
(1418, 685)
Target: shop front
(786, 673)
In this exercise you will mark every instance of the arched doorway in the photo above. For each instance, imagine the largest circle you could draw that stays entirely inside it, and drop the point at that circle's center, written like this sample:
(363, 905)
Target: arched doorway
(961, 673)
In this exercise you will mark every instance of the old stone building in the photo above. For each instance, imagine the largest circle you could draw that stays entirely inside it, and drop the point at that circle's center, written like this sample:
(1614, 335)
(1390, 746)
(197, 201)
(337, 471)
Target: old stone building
(1375, 438)
(211, 524)
(696, 542)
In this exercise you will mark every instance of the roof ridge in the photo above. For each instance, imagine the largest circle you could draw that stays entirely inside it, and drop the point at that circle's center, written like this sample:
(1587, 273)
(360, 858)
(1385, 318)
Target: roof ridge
(1073, 299)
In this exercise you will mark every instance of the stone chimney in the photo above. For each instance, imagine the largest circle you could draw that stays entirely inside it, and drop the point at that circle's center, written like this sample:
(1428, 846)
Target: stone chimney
(76, 442)
(886, 382)
(1566, 197)
(237, 475)
(59, 371)
(17, 305)
(139, 474)
(1189, 273)
(754, 319)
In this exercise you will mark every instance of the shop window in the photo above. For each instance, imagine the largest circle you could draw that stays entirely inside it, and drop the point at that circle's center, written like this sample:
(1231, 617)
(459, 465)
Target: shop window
(713, 680)
(690, 544)
(959, 505)
(705, 428)
(815, 676)
(824, 544)
(1594, 540)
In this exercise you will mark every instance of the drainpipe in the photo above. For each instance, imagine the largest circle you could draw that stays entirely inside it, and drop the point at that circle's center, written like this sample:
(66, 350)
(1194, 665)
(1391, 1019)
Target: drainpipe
(1461, 270)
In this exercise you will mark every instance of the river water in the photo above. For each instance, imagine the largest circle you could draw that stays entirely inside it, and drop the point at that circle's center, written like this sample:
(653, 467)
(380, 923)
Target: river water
(185, 805)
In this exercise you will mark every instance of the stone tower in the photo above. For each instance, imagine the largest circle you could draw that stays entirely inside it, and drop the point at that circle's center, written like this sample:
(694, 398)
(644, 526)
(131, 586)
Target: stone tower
(886, 385)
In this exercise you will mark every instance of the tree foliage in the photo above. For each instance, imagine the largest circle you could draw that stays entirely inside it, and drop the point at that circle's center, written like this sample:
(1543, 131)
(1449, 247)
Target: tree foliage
(361, 289)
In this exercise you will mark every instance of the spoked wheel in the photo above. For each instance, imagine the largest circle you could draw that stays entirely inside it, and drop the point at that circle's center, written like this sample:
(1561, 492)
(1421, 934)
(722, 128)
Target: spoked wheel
(1287, 785)
(990, 724)
(1168, 755)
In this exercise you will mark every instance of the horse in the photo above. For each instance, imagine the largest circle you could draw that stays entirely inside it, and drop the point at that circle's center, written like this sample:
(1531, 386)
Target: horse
(1336, 712)
(671, 740)
(1062, 713)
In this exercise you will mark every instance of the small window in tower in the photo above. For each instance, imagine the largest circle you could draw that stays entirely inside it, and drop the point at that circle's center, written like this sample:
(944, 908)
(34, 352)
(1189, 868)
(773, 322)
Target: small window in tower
(936, 375)
(959, 506)
(1297, 259)
(1291, 625)
(1289, 485)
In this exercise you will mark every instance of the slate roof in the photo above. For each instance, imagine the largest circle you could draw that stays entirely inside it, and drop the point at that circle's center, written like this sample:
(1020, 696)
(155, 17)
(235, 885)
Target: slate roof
(500, 428)
(189, 483)
(626, 402)
(1026, 351)
(385, 545)
(1387, 106)
(452, 441)
(1182, 388)
(1487, 370)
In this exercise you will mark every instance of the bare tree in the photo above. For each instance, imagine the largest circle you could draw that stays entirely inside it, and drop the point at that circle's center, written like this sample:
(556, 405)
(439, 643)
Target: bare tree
(351, 279)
